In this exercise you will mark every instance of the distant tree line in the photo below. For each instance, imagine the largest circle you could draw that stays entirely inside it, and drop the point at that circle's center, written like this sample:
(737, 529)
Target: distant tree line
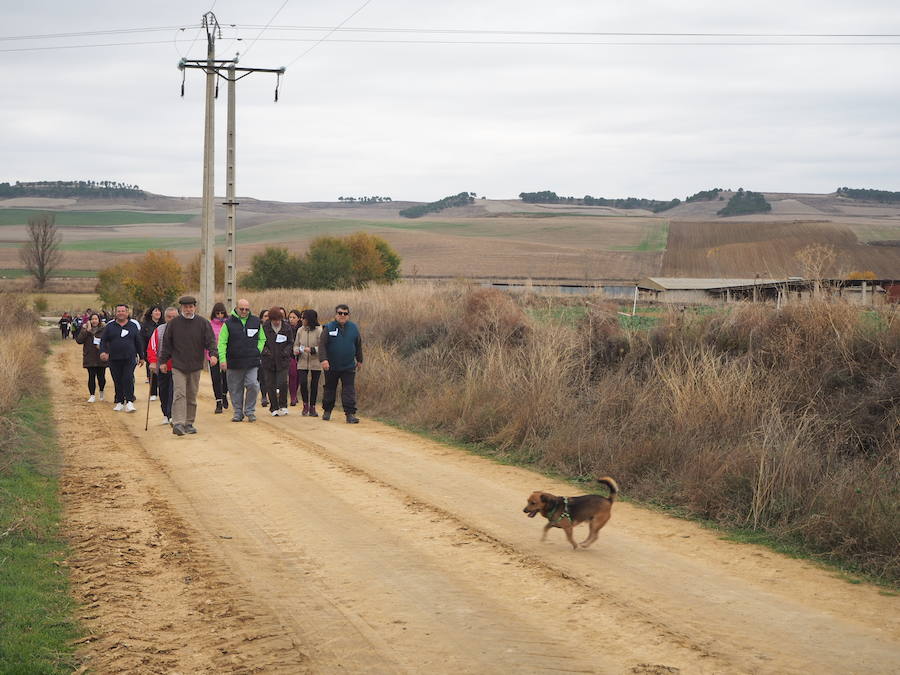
(705, 196)
(70, 188)
(550, 197)
(883, 196)
(365, 200)
(461, 199)
(745, 202)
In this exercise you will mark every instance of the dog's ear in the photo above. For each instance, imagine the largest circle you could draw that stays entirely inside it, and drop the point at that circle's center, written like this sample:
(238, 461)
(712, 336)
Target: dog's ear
(545, 498)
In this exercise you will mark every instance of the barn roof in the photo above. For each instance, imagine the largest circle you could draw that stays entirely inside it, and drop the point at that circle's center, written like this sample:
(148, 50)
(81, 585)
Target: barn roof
(689, 284)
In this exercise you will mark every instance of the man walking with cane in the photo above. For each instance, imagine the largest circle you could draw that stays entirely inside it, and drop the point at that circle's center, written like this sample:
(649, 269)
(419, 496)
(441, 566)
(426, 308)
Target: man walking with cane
(185, 338)
(340, 353)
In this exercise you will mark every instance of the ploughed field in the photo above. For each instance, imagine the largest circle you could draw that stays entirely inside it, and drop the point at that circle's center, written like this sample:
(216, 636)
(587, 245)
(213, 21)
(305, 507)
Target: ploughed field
(493, 238)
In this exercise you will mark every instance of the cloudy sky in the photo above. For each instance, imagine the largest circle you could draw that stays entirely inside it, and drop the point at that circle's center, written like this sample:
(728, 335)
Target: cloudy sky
(440, 106)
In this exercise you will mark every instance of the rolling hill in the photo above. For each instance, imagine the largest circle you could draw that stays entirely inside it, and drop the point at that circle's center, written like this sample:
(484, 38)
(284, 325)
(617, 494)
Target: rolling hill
(493, 238)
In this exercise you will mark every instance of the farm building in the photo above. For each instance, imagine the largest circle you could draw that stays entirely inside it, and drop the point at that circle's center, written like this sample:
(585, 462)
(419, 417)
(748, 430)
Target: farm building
(794, 289)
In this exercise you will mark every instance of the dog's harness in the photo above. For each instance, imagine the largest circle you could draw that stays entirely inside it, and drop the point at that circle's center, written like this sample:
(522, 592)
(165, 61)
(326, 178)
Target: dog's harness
(564, 514)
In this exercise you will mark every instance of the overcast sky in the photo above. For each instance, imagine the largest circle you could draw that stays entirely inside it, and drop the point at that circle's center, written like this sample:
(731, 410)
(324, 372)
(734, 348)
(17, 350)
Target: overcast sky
(420, 120)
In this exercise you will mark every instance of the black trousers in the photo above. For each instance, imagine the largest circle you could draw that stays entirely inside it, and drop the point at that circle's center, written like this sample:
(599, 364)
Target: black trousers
(219, 381)
(122, 372)
(309, 392)
(166, 392)
(276, 387)
(96, 375)
(261, 374)
(154, 381)
(347, 378)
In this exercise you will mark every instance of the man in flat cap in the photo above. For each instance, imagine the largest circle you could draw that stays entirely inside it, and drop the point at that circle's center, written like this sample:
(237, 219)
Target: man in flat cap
(185, 339)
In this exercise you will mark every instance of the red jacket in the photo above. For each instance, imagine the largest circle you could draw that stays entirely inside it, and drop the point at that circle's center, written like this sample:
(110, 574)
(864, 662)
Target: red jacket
(154, 345)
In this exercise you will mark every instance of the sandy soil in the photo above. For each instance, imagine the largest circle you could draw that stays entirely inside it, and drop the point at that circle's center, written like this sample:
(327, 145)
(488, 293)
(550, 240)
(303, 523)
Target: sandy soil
(295, 545)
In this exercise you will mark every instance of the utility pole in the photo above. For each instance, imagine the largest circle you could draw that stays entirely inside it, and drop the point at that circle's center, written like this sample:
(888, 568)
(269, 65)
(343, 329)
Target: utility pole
(214, 68)
(208, 223)
(230, 203)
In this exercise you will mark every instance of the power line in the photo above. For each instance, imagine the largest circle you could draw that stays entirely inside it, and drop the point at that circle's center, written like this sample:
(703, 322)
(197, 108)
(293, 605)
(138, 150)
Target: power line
(569, 33)
(581, 44)
(277, 12)
(331, 32)
(88, 33)
(105, 44)
(441, 31)
(509, 43)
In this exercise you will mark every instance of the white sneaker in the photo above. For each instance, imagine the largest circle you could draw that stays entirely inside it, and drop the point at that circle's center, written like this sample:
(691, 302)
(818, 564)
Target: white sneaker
(91, 398)
(276, 413)
(129, 407)
(165, 420)
(101, 395)
(152, 398)
(283, 412)
(118, 406)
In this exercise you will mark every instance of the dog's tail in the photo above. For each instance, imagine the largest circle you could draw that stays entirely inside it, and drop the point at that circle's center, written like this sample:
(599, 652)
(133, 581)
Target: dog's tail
(611, 484)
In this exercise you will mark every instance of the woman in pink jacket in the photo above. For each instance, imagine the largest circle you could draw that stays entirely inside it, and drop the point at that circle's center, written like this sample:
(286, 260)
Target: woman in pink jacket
(220, 385)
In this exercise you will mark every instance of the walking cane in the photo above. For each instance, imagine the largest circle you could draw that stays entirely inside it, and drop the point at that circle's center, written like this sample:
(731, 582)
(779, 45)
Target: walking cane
(147, 419)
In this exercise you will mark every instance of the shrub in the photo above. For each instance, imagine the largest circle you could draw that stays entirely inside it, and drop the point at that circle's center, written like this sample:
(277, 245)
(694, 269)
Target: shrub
(40, 304)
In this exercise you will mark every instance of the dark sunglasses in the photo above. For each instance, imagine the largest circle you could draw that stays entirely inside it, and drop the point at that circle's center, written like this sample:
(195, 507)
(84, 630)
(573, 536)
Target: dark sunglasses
(343, 313)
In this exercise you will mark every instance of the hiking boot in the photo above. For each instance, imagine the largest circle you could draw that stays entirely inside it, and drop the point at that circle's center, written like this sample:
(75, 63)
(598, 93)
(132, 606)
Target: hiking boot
(218, 410)
(251, 418)
(237, 418)
(118, 407)
(178, 430)
(190, 429)
(352, 419)
(326, 415)
(225, 402)
(312, 411)
(264, 402)
(91, 398)
(305, 409)
(294, 402)
(129, 407)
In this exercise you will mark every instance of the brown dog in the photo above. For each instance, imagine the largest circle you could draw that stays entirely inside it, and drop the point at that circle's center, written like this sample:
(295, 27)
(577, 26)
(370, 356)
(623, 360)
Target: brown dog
(567, 512)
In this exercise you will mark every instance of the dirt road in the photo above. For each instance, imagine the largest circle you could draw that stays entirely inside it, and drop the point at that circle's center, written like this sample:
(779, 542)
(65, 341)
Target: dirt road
(294, 545)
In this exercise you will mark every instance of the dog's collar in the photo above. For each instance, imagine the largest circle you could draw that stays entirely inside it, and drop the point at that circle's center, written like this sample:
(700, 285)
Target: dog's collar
(564, 514)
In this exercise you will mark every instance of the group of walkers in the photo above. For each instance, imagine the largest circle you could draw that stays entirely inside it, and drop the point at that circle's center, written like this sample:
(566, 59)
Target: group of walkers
(275, 353)
(70, 324)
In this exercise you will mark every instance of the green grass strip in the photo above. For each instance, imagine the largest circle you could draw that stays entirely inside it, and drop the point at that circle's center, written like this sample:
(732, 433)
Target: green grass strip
(93, 218)
(37, 625)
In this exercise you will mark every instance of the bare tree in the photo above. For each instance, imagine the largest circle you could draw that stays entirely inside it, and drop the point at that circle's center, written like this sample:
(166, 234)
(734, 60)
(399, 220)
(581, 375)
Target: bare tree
(41, 254)
(816, 260)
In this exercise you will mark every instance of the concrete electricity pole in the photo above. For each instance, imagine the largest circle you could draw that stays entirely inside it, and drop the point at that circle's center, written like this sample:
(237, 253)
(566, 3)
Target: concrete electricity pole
(213, 68)
(208, 223)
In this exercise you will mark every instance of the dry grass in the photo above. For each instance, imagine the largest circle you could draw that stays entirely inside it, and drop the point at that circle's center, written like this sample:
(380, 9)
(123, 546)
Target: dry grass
(20, 352)
(782, 422)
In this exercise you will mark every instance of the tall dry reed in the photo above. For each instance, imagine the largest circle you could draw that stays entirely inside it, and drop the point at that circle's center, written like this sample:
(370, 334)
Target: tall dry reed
(780, 421)
(21, 353)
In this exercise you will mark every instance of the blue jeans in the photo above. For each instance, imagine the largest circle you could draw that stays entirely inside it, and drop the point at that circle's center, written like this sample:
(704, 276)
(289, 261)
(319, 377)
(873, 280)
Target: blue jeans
(243, 387)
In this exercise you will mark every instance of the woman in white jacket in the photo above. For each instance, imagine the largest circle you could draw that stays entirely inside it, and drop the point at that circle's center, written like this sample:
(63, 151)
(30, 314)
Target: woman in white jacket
(308, 367)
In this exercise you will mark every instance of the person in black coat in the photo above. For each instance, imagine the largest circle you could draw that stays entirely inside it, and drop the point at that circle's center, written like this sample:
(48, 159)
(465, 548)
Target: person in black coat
(121, 347)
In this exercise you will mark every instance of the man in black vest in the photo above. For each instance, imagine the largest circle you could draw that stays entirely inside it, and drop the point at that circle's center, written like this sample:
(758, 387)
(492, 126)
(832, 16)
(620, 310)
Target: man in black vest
(240, 344)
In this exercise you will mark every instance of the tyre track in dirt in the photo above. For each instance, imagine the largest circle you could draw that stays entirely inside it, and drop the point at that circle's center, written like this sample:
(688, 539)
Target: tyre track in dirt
(365, 549)
(152, 597)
